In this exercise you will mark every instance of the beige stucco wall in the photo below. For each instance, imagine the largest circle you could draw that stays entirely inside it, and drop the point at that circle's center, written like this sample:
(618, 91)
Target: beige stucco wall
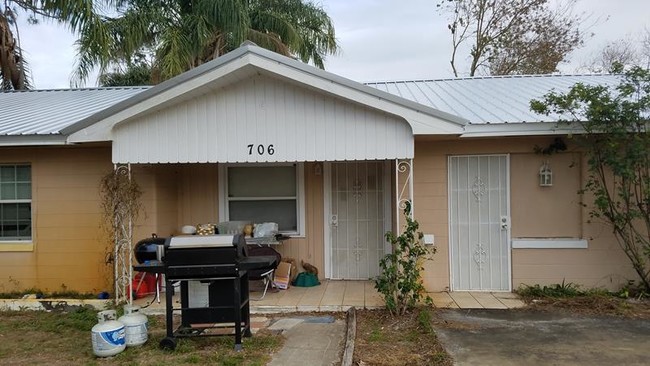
(69, 248)
(188, 194)
(68, 245)
(536, 212)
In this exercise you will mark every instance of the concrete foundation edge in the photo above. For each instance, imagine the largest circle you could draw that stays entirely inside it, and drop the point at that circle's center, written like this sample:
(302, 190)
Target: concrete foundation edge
(48, 305)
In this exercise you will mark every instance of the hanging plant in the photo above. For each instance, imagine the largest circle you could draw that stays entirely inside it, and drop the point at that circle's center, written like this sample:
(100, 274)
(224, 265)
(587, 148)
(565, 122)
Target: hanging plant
(558, 145)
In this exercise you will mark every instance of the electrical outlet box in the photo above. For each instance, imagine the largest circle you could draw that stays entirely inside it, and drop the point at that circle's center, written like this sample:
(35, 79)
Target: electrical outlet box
(429, 239)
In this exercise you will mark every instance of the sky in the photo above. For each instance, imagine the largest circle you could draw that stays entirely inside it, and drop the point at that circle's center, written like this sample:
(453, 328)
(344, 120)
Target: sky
(381, 40)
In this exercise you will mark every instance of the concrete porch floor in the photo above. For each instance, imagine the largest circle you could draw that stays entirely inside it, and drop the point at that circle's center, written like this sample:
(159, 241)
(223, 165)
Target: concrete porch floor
(333, 295)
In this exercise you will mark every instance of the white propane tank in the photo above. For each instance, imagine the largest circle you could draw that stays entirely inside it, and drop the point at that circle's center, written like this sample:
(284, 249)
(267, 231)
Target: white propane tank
(108, 335)
(135, 324)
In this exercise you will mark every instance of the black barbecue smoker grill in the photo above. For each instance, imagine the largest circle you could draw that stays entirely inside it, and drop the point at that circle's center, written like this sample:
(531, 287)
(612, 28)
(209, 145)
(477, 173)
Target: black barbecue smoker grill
(212, 271)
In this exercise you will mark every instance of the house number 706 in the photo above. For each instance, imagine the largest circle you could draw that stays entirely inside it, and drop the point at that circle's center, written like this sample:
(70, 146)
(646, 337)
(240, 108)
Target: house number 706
(261, 149)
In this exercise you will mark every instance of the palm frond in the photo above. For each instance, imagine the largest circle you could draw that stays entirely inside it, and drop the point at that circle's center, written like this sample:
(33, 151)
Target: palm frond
(174, 55)
(270, 41)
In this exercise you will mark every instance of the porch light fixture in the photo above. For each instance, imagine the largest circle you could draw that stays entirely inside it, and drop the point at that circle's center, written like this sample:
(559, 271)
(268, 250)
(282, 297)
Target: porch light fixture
(545, 175)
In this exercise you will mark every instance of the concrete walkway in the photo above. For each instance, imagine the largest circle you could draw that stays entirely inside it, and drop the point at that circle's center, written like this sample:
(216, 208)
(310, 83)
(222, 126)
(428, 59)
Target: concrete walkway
(476, 300)
(314, 341)
(502, 337)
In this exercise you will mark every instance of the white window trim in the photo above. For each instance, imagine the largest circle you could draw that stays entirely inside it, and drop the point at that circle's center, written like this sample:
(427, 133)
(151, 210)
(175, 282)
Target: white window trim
(300, 195)
(549, 243)
(21, 244)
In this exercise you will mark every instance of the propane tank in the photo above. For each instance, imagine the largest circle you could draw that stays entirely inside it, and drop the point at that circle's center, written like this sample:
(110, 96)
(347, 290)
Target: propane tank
(108, 335)
(135, 324)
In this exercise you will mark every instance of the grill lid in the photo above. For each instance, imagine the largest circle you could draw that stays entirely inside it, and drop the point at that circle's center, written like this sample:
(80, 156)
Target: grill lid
(201, 241)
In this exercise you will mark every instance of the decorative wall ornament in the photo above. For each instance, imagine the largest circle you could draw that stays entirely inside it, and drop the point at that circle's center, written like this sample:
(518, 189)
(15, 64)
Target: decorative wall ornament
(545, 175)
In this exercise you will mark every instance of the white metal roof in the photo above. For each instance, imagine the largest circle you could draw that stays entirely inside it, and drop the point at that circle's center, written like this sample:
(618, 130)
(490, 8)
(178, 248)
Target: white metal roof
(492, 99)
(50, 116)
(47, 112)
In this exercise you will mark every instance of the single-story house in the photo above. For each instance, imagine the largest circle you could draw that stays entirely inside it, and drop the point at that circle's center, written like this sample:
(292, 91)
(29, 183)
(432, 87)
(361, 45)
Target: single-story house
(257, 136)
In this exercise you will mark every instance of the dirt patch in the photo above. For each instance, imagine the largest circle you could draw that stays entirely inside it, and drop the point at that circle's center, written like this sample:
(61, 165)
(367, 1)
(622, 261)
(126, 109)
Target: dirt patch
(591, 305)
(408, 340)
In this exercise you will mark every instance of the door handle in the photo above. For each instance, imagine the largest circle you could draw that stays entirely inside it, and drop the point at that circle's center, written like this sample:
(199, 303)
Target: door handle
(334, 220)
(504, 223)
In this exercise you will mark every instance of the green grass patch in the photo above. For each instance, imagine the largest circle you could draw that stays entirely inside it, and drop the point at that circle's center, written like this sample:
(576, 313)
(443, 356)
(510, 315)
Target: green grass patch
(425, 319)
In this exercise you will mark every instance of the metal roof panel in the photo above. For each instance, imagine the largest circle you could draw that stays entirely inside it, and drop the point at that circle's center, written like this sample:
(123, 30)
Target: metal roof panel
(481, 100)
(491, 99)
(46, 112)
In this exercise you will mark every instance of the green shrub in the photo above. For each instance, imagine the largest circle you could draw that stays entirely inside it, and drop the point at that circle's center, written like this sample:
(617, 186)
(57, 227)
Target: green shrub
(556, 290)
(400, 282)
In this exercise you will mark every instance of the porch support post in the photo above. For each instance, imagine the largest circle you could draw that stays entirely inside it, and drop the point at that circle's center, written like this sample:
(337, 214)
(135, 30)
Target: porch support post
(123, 237)
(403, 187)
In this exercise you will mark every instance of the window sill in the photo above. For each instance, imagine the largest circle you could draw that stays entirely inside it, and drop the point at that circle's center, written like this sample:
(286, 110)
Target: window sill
(549, 243)
(9, 246)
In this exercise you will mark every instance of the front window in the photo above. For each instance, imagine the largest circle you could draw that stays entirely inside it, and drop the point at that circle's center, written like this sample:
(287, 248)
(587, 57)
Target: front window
(15, 202)
(264, 194)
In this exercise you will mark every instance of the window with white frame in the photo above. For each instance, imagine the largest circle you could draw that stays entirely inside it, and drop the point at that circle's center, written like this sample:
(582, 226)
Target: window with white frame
(15, 202)
(264, 194)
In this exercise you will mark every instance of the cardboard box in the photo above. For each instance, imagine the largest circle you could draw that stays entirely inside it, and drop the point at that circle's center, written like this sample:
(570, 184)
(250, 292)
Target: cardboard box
(282, 277)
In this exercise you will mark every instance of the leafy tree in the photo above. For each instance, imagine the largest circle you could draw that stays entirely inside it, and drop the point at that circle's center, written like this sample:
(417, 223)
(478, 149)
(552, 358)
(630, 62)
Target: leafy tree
(617, 143)
(511, 36)
(139, 72)
(178, 35)
(14, 69)
(400, 282)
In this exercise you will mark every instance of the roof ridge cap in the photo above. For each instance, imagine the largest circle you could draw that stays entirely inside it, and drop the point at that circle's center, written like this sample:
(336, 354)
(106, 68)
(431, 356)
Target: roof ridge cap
(78, 89)
(487, 77)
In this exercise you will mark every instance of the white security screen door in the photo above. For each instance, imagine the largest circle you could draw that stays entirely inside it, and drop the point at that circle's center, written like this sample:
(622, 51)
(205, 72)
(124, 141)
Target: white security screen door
(479, 218)
(357, 218)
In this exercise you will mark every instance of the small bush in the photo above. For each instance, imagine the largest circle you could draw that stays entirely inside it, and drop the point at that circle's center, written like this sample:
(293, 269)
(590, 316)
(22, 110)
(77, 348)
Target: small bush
(424, 320)
(400, 282)
(557, 291)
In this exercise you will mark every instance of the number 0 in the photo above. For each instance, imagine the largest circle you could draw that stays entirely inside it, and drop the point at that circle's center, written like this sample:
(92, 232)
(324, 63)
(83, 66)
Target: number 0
(261, 149)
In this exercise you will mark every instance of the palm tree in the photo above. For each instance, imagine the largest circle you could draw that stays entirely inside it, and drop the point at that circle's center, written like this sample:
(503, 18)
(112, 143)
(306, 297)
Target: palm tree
(75, 14)
(173, 36)
(14, 73)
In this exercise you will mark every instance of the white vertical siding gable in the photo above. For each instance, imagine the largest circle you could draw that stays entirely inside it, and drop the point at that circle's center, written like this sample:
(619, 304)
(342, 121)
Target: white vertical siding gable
(283, 122)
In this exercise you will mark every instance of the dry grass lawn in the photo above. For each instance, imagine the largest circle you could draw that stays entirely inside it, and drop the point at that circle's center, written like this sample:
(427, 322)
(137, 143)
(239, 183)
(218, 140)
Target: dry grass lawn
(408, 340)
(63, 338)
